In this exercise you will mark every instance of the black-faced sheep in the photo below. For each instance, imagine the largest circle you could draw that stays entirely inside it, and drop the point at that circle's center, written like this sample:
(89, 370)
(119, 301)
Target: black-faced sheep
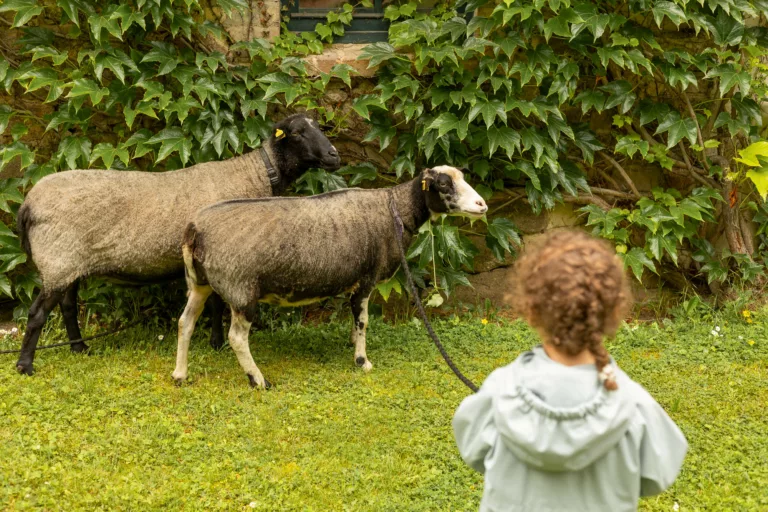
(128, 225)
(294, 251)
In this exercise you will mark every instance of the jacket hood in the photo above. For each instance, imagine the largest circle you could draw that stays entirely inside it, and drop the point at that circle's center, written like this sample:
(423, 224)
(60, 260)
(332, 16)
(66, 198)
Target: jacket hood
(559, 418)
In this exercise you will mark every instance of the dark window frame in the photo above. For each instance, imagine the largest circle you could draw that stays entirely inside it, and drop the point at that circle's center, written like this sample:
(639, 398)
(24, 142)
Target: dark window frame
(368, 24)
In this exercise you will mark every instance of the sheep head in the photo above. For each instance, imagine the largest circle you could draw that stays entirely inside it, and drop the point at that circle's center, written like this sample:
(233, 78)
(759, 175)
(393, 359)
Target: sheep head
(446, 192)
(301, 143)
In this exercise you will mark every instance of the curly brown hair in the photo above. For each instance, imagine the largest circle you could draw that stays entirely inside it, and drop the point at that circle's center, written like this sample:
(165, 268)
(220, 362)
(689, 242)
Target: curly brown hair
(573, 289)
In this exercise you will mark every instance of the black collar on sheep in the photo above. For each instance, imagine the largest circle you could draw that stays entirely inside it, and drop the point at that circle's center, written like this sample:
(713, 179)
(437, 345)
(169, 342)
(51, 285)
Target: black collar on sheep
(297, 144)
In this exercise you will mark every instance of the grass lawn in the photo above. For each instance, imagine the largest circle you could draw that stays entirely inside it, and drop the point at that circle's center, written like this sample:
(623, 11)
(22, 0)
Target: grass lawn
(111, 431)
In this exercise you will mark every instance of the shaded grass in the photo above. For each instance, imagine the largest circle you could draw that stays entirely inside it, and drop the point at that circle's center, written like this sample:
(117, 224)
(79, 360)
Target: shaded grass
(111, 431)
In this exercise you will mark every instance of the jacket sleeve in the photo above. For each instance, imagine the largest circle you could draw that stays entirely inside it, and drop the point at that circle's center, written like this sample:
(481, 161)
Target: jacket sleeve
(473, 426)
(662, 449)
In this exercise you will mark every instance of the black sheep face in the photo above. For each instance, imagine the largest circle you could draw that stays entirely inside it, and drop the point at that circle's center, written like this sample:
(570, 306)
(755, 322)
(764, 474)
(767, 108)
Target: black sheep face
(303, 143)
(447, 192)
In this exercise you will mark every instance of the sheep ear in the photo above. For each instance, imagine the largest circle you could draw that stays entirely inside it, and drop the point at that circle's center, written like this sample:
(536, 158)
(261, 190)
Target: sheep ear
(279, 134)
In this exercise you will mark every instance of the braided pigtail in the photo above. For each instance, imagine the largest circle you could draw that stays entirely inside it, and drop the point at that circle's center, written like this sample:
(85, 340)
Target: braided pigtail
(605, 370)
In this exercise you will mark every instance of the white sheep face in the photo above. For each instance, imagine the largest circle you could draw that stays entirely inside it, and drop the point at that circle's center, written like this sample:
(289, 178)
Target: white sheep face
(447, 192)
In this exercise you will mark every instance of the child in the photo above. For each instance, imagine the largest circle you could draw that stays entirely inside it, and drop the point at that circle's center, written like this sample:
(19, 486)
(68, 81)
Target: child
(562, 428)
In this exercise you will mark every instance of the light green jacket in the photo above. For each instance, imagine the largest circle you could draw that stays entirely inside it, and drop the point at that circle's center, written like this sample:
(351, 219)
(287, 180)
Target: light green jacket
(550, 437)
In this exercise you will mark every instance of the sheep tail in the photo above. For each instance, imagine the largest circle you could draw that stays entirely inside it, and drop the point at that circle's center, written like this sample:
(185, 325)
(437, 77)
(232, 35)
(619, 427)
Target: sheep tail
(23, 224)
(188, 251)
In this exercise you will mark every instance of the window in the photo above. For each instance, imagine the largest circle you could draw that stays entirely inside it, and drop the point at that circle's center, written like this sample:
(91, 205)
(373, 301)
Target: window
(368, 24)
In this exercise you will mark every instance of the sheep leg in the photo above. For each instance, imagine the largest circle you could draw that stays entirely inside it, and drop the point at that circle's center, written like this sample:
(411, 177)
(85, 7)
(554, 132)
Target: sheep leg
(359, 303)
(187, 320)
(68, 307)
(38, 314)
(238, 340)
(217, 327)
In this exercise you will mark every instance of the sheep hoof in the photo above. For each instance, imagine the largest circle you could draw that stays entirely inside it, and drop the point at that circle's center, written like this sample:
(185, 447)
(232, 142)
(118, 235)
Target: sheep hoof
(216, 343)
(79, 348)
(363, 363)
(25, 368)
(260, 382)
(178, 378)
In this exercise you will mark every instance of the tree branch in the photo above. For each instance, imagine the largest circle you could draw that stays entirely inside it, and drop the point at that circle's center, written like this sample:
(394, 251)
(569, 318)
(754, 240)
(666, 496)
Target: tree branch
(698, 130)
(623, 173)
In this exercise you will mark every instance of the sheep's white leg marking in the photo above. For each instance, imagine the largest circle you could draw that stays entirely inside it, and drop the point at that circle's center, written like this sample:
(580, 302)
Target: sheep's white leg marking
(187, 320)
(238, 339)
(360, 324)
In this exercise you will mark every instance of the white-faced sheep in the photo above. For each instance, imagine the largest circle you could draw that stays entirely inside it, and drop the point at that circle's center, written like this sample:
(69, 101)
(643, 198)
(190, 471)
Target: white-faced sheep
(294, 251)
(128, 225)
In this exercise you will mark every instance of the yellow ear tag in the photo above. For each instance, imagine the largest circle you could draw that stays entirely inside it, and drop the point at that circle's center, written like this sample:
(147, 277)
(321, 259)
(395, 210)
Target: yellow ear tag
(423, 184)
(279, 134)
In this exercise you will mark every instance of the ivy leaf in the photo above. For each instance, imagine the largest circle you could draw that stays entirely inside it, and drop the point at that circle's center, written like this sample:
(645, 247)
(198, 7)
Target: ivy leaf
(658, 243)
(72, 149)
(587, 142)
(751, 154)
(279, 82)
(505, 138)
(542, 56)
(41, 52)
(108, 153)
(41, 77)
(343, 71)
(364, 102)
(670, 10)
(595, 22)
(620, 93)
(679, 75)
(229, 6)
(318, 180)
(531, 138)
(128, 17)
(760, 178)
(608, 54)
(385, 288)
(25, 10)
(70, 8)
(360, 172)
(747, 110)
(163, 53)
(631, 144)
(650, 111)
(108, 62)
(143, 107)
(378, 53)
(181, 107)
(5, 285)
(489, 110)
(86, 87)
(590, 99)
(385, 132)
(172, 140)
(730, 78)
(139, 139)
(9, 192)
(560, 25)
(6, 113)
(727, 31)
(99, 22)
(447, 122)
(677, 128)
(500, 232)
(636, 259)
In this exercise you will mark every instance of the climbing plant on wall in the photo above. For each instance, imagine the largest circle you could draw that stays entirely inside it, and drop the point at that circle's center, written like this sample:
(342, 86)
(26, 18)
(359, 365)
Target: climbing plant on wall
(552, 101)
(545, 102)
